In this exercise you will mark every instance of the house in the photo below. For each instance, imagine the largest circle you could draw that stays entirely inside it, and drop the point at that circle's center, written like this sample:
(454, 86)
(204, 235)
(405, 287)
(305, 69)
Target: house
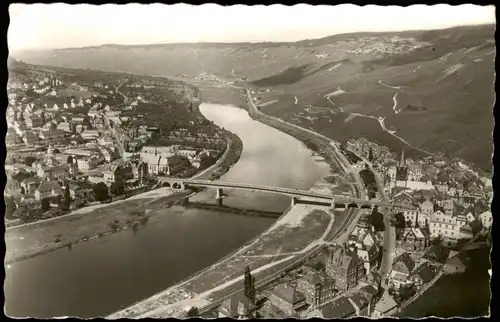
(140, 170)
(414, 172)
(48, 135)
(341, 308)
(89, 135)
(366, 239)
(360, 303)
(47, 189)
(286, 298)
(345, 267)
(200, 160)
(62, 171)
(384, 305)
(442, 187)
(427, 207)
(466, 232)
(444, 226)
(351, 145)
(411, 217)
(423, 275)
(30, 184)
(154, 165)
(30, 138)
(119, 171)
(371, 294)
(86, 164)
(457, 264)
(236, 307)
(401, 269)
(414, 240)
(33, 122)
(80, 190)
(369, 257)
(449, 207)
(65, 127)
(317, 287)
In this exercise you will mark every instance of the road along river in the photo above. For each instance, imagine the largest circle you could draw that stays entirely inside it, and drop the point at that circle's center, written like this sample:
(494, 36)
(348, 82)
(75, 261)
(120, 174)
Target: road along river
(102, 276)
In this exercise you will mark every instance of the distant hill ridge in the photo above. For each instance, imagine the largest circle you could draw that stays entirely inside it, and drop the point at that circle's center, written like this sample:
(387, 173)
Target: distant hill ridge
(425, 35)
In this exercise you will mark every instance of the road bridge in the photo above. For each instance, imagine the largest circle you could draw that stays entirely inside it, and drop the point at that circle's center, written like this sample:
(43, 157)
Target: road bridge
(335, 201)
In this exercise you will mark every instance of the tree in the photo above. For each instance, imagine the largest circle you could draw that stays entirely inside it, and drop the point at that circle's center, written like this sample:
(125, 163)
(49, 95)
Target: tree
(370, 155)
(100, 191)
(67, 197)
(248, 282)
(437, 241)
(251, 292)
(376, 219)
(23, 191)
(193, 312)
(399, 220)
(29, 160)
(117, 187)
(10, 207)
(69, 160)
(46, 203)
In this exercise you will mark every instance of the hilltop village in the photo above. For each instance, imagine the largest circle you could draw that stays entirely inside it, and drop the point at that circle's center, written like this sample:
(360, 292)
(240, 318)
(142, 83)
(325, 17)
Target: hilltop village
(76, 138)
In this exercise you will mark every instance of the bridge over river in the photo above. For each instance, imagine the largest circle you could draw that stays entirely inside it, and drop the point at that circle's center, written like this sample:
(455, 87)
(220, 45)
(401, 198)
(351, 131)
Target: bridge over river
(335, 201)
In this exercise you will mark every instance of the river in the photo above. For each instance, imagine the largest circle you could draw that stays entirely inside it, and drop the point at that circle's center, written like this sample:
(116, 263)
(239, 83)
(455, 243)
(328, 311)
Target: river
(99, 277)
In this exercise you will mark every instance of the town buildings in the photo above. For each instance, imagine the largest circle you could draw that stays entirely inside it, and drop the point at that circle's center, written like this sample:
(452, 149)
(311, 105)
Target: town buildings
(286, 298)
(317, 287)
(345, 267)
(48, 189)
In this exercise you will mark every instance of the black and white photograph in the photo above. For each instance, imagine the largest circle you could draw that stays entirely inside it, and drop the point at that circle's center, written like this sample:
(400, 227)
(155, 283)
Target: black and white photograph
(249, 161)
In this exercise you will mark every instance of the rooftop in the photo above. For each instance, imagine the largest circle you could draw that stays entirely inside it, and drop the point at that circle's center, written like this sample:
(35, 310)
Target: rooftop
(288, 293)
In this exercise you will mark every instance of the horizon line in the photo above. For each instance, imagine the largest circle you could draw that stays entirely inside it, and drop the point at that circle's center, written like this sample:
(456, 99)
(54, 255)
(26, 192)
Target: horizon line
(245, 42)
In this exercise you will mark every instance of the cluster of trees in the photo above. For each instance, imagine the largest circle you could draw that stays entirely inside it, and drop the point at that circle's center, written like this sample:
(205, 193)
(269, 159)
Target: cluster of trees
(404, 293)
(376, 219)
(29, 160)
(101, 191)
(117, 187)
(369, 181)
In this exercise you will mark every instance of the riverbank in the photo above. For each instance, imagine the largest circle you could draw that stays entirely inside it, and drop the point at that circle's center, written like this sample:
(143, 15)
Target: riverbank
(85, 224)
(323, 146)
(232, 210)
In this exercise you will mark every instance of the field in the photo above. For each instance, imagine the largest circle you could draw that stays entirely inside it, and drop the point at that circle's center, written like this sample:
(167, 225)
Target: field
(28, 241)
(428, 83)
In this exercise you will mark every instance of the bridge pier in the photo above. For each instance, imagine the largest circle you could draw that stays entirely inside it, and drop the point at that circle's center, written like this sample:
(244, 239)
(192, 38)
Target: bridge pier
(294, 201)
(219, 196)
(332, 204)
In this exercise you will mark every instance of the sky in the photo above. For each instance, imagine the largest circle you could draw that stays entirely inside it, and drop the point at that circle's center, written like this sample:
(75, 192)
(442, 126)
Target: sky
(45, 26)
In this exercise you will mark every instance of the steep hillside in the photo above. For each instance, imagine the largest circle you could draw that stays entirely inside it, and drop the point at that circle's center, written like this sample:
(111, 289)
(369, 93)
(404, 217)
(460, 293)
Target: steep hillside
(434, 88)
